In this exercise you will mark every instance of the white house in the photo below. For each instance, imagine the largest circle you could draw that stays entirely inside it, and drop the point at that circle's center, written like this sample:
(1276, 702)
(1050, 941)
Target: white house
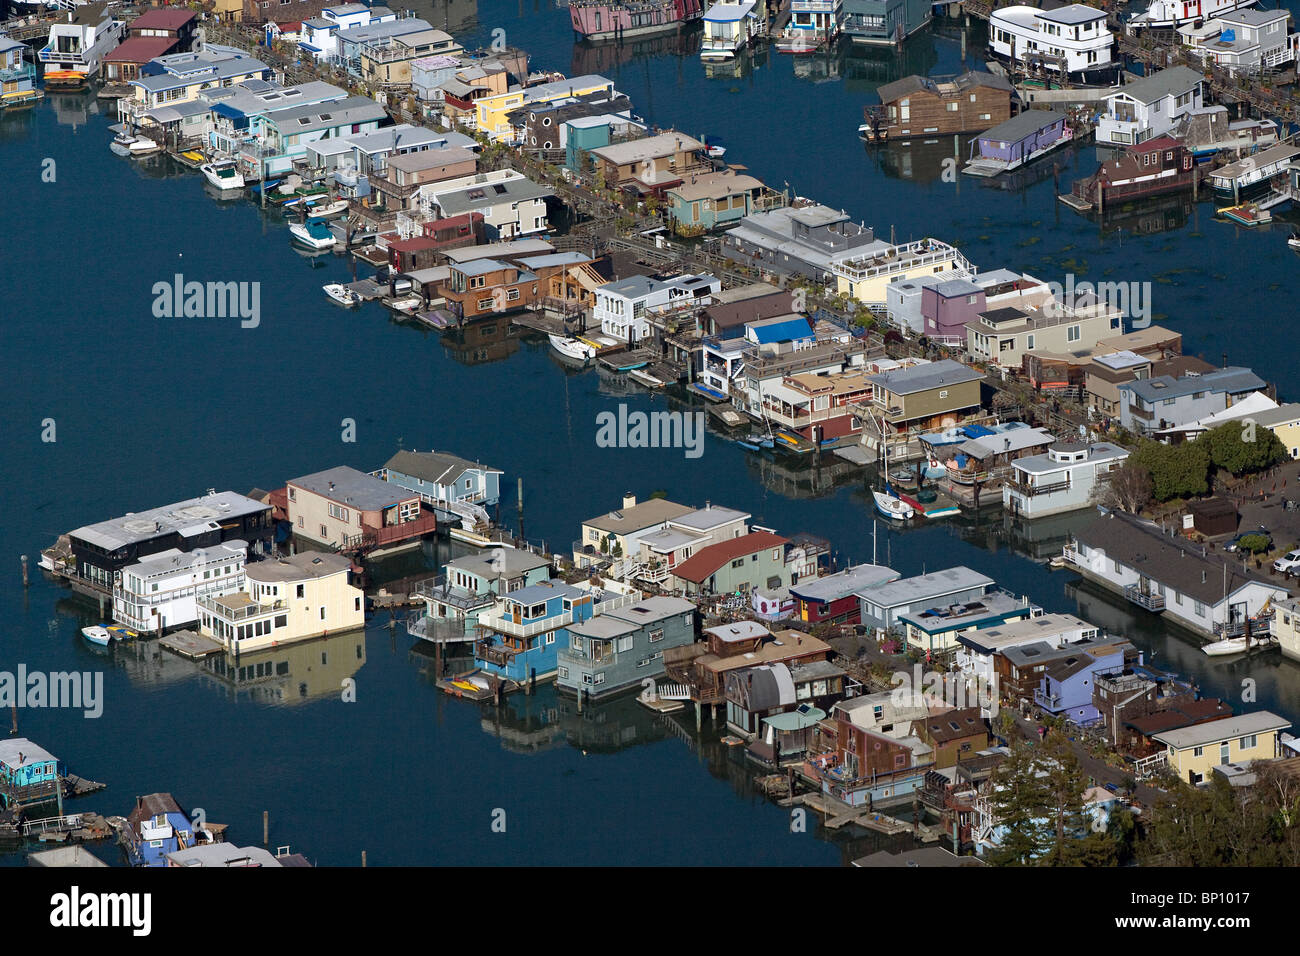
(625, 308)
(162, 591)
(512, 205)
(1061, 480)
(1244, 41)
(1196, 588)
(1149, 107)
(977, 650)
(319, 35)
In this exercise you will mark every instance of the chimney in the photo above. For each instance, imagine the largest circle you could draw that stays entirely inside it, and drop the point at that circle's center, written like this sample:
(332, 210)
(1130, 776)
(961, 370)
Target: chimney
(331, 486)
(629, 500)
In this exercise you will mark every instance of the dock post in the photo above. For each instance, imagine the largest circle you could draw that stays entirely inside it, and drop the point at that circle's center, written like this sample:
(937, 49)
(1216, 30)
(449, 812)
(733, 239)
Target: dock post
(521, 506)
(363, 859)
(24, 560)
(699, 716)
(266, 827)
(580, 693)
(101, 607)
(963, 39)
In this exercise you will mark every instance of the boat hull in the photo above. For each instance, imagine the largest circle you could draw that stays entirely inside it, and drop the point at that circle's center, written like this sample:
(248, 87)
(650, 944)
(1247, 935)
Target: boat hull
(97, 635)
(895, 509)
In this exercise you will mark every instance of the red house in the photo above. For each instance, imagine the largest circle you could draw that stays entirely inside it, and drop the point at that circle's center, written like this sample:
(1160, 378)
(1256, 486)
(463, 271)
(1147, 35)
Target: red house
(834, 597)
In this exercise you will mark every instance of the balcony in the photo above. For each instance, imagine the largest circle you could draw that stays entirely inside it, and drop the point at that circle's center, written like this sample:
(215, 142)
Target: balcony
(1260, 626)
(1034, 490)
(1052, 702)
(437, 630)
(900, 258)
(1144, 598)
(501, 655)
(439, 591)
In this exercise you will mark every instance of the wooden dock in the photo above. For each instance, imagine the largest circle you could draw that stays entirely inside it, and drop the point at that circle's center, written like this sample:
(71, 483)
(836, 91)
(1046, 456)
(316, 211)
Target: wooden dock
(190, 644)
(626, 359)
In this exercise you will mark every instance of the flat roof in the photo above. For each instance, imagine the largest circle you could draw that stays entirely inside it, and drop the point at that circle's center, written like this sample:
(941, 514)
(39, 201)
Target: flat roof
(922, 378)
(167, 519)
(650, 147)
(833, 587)
(297, 567)
(12, 747)
(924, 586)
(638, 517)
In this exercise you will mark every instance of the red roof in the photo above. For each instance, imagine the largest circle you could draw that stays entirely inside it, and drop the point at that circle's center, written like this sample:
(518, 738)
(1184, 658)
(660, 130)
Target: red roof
(1160, 142)
(414, 244)
(140, 49)
(705, 562)
(289, 26)
(162, 19)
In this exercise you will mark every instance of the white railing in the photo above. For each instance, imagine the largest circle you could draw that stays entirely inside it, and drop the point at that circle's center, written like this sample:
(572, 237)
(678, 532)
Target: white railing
(898, 258)
(1150, 766)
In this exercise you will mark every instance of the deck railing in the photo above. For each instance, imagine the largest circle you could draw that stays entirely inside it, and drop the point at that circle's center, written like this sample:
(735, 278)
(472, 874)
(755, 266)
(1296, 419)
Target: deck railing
(1143, 597)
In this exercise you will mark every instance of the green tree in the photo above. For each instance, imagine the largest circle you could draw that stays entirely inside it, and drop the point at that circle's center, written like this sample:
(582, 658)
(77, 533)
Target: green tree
(1177, 471)
(1242, 447)
(1037, 800)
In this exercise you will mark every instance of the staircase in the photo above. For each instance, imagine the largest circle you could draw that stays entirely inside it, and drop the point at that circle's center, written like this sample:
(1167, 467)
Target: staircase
(472, 516)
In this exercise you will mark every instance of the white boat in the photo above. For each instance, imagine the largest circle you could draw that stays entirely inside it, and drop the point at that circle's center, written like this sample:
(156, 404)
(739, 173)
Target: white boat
(97, 634)
(1231, 645)
(328, 210)
(312, 234)
(134, 146)
(1171, 14)
(407, 305)
(342, 294)
(1294, 240)
(577, 347)
(893, 507)
(223, 174)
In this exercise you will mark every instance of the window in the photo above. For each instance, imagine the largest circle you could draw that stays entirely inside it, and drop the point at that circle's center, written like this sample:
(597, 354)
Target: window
(738, 563)
(625, 643)
(1072, 334)
(324, 531)
(301, 591)
(1198, 751)
(1200, 609)
(1248, 742)
(322, 614)
(656, 635)
(338, 512)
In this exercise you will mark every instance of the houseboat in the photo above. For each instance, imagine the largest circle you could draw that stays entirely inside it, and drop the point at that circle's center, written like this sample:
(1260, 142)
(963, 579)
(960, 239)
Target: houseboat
(919, 106)
(1018, 141)
(1172, 14)
(884, 22)
(1071, 41)
(17, 76)
(727, 29)
(813, 25)
(1253, 176)
(615, 20)
(1153, 168)
(78, 45)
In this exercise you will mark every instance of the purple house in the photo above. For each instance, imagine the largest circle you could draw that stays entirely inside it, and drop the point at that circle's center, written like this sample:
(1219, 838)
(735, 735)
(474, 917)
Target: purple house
(1065, 689)
(1020, 139)
(947, 307)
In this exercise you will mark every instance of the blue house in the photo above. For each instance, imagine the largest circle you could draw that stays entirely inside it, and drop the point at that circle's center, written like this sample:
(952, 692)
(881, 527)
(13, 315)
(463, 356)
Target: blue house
(28, 772)
(470, 585)
(457, 489)
(17, 76)
(157, 826)
(524, 632)
(1066, 687)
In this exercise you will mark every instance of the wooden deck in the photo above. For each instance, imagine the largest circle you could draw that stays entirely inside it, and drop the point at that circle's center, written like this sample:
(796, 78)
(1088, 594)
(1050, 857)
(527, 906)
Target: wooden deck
(190, 644)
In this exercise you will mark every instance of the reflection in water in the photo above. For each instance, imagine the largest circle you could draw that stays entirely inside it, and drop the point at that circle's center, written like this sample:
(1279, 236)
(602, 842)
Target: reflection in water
(478, 343)
(601, 58)
(452, 16)
(1146, 217)
(75, 108)
(290, 673)
(921, 160)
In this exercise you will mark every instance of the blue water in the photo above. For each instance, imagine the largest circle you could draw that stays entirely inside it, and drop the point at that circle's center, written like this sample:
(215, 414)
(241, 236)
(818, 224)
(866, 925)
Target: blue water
(152, 410)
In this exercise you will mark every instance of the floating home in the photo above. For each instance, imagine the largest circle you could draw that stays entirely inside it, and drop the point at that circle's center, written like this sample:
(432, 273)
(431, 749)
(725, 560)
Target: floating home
(162, 591)
(1071, 42)
(885, 22)
(77, 46)
(157, 826)
(94, 554)
(1150, 107)
(918, 106)
(1018, 141)
(728, 28)
(1254, 175)
(17, 76)
(471, 584)
(348, 509)
(1158, 166)
(1202, 591)
(619, 649)
(29, 774)
(1060, 480)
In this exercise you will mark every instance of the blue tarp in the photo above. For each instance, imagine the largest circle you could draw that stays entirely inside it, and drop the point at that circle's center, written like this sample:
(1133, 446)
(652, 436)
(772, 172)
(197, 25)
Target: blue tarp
(976, 431)
(1228, 36)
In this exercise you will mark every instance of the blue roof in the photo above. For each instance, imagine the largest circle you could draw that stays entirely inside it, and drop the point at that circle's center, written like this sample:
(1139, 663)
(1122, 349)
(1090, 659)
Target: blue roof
(221, 109)
(766, 333)
(976, 431)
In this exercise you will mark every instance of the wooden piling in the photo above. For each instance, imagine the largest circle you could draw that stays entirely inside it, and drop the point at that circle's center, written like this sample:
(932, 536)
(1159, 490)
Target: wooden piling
(266, 827)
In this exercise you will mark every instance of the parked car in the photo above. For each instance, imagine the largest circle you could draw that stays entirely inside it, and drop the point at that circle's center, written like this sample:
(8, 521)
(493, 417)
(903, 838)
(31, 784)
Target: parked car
(1263, 532)
(1288, 562)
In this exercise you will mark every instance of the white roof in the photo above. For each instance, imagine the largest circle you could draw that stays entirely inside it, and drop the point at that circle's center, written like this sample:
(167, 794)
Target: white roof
(1200, 735)
(729, 12)
(1252, 404)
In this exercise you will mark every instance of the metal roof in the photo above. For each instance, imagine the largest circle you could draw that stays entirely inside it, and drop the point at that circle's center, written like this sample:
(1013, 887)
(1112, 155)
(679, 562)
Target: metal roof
(347, 486)
(168, 519)
(1214, 731)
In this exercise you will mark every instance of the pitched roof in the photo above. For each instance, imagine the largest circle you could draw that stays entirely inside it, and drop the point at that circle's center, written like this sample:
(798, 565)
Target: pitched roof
(1176, 79)
(707, 561)
(1022, 125)
(638, 517)
(1200, 735)
(1172, 562)
(440, 468)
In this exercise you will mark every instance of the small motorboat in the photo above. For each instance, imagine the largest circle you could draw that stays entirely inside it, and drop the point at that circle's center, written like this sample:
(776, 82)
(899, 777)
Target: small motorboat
(407, 305)
(327, 210)
(580, 347)
(133, 146)
(342, 294)
(892, 507)
(97, 634)
(223, 175)
(313, 234)
(1247, 214)
(1294, 240)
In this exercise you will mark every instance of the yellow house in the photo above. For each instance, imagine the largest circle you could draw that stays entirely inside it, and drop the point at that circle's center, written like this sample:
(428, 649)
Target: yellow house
(290, 599)
(1284, 422)
(490, 111)
(1195, 751)
(869, 270)
(618, 534)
